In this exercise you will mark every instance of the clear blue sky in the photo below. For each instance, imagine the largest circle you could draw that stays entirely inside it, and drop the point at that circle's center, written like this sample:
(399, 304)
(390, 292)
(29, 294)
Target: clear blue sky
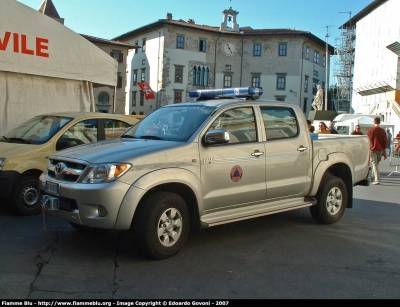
(111, 18)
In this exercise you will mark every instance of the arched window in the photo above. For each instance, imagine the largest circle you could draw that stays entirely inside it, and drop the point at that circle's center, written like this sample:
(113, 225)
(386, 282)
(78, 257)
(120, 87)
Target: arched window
(206, 79)
(194, 75)
(198, 76)
(104, 98)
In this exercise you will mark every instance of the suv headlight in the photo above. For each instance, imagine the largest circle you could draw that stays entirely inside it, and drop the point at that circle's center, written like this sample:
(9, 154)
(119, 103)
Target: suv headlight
(2, 161)
(107, 172)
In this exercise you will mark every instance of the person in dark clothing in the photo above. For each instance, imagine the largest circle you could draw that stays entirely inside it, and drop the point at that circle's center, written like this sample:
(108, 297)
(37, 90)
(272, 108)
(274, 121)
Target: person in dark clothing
(331, 129)
(357, 131)
(377, 145)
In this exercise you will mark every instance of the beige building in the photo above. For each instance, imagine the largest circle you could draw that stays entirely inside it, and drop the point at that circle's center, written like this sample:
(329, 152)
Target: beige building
(178, 56)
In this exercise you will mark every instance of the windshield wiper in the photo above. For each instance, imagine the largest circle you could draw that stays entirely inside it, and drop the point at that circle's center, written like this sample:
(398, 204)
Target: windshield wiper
(7, 139)
(128, 136)
(19, 140)
(151, 137)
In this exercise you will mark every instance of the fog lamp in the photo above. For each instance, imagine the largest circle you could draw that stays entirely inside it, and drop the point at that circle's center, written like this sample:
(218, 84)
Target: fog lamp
(102, 211)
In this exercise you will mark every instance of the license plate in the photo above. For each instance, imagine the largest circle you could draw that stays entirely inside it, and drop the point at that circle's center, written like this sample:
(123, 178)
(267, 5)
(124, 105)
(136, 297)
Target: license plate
(53, 188)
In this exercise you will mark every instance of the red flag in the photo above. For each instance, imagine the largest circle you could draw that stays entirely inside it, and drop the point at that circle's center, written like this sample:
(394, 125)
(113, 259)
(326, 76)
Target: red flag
(146, 89)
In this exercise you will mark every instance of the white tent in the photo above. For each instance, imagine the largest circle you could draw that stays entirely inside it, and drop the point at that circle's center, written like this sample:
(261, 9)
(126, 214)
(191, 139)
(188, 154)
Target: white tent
(45, 67)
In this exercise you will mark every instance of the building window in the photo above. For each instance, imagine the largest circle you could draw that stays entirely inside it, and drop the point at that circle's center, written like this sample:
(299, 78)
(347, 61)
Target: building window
(324, 61)
(117, 55)
(228, 67)
(201, 75)
(315, 73)
(143, 62)
(136, 49)
(141, 101)
(316, 57)
(306, 84)
(104, 98)
(134, 77)
(143, 75)
(119, 80)
(257, 50)
(305, 100)
(323, 85)
(180, 40)
(314, 86)
(281, 82)
(283, 49)
(203, 45)
(178, 74)
(143, 45)
(134, 98)
(255, 80)
(307, 53)
(177, 96)
(227, 80)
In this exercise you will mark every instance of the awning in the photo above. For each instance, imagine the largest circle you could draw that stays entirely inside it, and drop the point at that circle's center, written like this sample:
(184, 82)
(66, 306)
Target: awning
(374, 88)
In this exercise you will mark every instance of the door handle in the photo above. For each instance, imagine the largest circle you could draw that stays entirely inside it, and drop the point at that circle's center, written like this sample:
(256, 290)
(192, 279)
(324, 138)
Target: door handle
(302, 148)
(257, 153)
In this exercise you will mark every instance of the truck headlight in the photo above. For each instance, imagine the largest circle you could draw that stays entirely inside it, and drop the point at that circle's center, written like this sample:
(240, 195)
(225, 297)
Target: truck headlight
(2, 161)
(107, 172)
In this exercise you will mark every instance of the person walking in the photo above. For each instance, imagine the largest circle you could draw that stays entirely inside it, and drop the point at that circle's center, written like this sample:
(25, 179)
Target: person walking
(389, 138)
(357, 131)
(377, 145)
(323, 129)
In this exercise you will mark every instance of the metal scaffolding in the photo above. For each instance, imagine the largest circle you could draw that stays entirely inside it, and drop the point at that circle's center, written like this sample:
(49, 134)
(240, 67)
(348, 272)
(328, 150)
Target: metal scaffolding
(343, 70)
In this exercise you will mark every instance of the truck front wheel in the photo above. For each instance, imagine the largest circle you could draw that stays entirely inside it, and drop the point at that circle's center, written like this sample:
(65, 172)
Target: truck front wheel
(26, 196)
(331, 200)
(161, 225)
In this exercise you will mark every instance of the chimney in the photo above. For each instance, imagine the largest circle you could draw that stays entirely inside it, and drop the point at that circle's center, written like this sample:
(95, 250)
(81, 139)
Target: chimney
(169, 16)
(191, 21)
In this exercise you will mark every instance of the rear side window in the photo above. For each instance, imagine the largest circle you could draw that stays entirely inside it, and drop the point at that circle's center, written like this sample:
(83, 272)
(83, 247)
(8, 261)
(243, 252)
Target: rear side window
(279, 122)
(114, 128)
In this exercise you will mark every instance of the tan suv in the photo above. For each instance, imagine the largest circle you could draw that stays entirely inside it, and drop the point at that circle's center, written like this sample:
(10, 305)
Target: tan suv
(24, 151)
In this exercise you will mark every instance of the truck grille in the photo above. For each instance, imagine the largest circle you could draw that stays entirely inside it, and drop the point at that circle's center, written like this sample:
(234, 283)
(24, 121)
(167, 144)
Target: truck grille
(65, 170)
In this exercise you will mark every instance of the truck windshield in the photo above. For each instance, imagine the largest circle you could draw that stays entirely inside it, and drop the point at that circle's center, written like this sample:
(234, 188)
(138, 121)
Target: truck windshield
(37, 130)
(172, 123)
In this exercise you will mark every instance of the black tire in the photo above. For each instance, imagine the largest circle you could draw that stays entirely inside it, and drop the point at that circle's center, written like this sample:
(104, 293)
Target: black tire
(25, 199)
(161, 225)
(331, 200)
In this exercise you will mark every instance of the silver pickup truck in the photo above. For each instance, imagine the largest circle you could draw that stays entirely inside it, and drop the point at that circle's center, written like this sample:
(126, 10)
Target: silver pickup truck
(226, 157)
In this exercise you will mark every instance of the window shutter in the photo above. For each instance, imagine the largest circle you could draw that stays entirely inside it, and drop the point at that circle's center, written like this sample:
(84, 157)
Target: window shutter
(121, 58)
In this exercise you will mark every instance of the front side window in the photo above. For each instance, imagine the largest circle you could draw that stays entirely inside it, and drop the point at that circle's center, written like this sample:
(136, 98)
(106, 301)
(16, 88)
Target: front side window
(281, 82)
(240, 124)
(180, 40)
(83, 132)
(279, 122)
(257, 50)
(283, 49)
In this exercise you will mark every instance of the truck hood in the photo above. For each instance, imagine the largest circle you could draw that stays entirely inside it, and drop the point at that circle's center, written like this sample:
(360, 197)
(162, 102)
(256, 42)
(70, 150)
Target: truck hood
(115, 150)
(14, 149)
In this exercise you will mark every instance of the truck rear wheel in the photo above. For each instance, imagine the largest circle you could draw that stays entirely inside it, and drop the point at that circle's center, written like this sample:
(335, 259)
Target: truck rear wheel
(161, 225)
(25, 198)
(331, 200)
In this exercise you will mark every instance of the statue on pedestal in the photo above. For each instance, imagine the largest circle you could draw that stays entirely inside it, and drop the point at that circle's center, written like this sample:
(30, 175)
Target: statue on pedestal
(318, 102)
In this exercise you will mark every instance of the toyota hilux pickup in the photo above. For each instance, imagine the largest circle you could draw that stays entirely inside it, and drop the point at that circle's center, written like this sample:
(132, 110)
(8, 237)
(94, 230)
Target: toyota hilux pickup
(224, 157)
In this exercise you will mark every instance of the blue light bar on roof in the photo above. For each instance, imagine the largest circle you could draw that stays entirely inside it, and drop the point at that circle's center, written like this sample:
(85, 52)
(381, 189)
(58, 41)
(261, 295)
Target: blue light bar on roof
(237, 92)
